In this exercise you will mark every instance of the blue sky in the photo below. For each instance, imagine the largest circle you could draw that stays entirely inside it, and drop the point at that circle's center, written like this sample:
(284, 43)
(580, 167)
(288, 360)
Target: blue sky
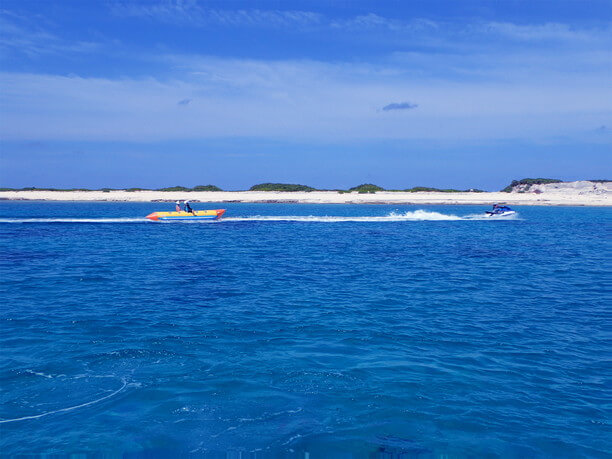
(325, 93)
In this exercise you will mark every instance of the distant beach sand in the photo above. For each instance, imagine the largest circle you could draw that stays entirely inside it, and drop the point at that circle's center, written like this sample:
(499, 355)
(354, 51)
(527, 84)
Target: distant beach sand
(552, 198)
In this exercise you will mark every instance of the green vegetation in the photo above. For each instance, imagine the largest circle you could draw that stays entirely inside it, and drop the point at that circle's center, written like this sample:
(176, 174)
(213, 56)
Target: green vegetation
(174, 188)
(367, 188)
(528, 182)
(417, 189)
(280, 187)
(182, 188)
(520, 186)
(206, 188)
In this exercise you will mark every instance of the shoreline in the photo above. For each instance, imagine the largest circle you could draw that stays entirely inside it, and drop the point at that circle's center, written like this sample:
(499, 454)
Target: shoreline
(564, 198)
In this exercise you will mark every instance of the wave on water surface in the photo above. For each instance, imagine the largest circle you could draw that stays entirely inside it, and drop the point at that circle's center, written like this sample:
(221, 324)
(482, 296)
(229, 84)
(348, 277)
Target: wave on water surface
(124, 384)
(417, 215)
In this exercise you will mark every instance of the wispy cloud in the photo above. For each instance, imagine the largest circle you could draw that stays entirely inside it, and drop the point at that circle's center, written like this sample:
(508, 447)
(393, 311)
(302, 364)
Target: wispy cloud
(184, 102)
(19, 34)
(416, 30)
(400, 106)
(376, 22)
(368, 21)
(194, 14)
(538, 32)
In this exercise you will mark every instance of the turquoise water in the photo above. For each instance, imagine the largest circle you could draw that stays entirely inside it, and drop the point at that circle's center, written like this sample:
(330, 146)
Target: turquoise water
(305, 331)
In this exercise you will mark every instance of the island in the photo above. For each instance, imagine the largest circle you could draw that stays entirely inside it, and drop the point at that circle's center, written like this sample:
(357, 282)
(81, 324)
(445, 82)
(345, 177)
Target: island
(529, 191)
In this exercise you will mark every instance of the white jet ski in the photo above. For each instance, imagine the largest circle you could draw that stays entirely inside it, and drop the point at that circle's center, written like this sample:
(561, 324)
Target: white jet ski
(500, 211)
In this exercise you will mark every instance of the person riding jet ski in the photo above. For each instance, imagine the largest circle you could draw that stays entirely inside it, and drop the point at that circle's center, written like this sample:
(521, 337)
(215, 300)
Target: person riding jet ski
(498, 210)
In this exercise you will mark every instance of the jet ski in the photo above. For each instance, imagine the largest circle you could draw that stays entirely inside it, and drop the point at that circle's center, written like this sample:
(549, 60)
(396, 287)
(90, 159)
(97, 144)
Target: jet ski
(500, 211)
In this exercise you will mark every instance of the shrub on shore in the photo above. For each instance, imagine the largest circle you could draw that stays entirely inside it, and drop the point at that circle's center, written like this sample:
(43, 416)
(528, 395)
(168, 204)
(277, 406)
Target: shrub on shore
(418, 189)
(280, 187)
(206, 188)
(367, 188)
(174, 188)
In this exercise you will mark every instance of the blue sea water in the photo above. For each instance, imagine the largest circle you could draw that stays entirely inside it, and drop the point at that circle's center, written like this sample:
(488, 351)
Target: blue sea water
(313, 331)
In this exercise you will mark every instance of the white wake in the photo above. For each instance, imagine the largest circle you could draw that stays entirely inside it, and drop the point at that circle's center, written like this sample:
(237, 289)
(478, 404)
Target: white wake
(417, 215)
(70, 408)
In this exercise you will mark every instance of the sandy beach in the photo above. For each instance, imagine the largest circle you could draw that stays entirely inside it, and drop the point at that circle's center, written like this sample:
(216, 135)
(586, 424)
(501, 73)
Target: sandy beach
(547, 198)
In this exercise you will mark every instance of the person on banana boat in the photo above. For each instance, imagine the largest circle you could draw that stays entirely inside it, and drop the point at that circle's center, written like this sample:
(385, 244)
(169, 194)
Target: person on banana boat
(187, 207)
(178, 206)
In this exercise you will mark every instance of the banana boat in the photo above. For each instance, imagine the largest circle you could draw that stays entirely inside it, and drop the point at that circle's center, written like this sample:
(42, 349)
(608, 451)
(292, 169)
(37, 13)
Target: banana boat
(195, 215)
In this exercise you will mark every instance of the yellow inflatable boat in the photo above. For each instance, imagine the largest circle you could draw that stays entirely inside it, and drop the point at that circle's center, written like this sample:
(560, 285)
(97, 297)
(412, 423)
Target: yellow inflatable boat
(195, 215)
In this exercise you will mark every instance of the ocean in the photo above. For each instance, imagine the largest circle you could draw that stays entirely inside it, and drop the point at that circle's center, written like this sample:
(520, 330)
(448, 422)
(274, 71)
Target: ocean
(306, 331)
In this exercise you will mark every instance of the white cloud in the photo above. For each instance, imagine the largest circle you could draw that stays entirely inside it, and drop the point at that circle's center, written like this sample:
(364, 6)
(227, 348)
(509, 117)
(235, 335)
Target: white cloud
(469, 88)
(416, 30)
(192, 13)
(18, 34)
(297, 99)
(547, 31)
